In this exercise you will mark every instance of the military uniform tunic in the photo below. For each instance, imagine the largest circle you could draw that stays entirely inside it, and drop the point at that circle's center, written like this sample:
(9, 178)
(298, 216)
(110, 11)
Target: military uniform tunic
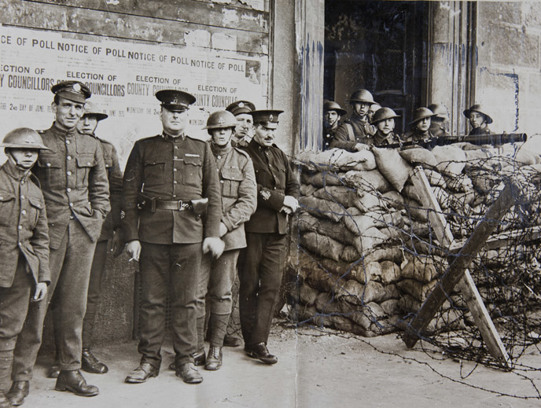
(352, 131)
(262, 261)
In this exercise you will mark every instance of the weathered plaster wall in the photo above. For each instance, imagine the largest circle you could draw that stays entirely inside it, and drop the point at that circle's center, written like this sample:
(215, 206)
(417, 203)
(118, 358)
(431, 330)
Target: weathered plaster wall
(508, 65)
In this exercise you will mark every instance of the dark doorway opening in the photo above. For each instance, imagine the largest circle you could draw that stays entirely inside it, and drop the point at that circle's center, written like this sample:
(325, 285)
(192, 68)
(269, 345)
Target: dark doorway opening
(380, 46)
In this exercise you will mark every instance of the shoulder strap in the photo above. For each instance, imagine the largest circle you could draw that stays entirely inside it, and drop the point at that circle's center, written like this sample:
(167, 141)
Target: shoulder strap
(351, 135)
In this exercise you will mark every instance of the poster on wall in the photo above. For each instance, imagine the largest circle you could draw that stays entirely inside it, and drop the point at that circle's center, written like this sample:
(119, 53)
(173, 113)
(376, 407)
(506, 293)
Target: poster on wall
(123, 78)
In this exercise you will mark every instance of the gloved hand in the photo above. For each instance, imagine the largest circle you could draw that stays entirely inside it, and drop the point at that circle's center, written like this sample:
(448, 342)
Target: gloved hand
(116, 244)
(133, 248)
(214, 245)
(291, 202)
(40, 293)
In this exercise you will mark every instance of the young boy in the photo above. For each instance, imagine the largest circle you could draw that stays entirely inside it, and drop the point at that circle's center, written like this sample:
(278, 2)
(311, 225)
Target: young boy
(24, 253)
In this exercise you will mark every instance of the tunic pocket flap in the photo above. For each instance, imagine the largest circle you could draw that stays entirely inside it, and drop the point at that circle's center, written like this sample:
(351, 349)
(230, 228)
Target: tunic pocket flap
(153, 162)
(6, 196)
(194, 161)
(36, 202)
(232, 174)
(86, 161)
(49, 162)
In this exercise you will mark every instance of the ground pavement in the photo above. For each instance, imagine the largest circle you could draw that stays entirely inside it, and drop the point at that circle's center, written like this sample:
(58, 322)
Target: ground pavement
(315, 369)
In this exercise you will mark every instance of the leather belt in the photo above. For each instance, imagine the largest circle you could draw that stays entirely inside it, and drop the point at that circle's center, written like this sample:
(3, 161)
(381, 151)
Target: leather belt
(177, 205)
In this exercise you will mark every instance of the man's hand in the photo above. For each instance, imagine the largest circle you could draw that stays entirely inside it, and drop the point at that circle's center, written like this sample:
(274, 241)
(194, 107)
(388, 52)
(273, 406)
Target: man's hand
(133, 248)
(291, 202)
(223, 229)
(41, 292)
(214, 245)
(117, 244)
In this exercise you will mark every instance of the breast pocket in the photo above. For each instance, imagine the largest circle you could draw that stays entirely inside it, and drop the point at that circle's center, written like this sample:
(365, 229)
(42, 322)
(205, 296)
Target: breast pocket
(85, 162)
(36, 206)
(50, 171)
(231, 179)
(7, 208)
(154, 172)
(193, 173)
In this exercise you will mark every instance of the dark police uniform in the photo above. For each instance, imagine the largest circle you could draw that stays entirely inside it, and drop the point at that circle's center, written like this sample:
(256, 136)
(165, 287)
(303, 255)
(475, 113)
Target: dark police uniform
(262, 261)
(163, 174)
(74, 183)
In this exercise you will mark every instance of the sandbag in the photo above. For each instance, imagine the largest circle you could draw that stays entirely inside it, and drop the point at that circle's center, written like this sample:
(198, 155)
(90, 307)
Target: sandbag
(421, 269)
(451, 159)
(371, 180)
(393, 253)
(320, 179)
(363, 160)
(349, 254)
(526, 157)
(307, 294)
(419, 290)
(307, 189)
(322, 245)
(393, 199)
(412, 193)
(390, 307)
(326, 303)
(435, 178)
(343, 195)
(369, 201)
(357, 224)
(393, 167)
(390, 272)
(419, 156)
(370, 238)
(322, 208)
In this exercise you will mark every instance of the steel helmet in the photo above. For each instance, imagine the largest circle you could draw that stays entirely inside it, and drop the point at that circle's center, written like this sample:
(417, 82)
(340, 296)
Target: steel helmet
(420, 114)
(221, 120)
(92, 110)
(361, 95)
(23, 138)
(479, 109)
(440, 111)
(383, 114)
(333, 106)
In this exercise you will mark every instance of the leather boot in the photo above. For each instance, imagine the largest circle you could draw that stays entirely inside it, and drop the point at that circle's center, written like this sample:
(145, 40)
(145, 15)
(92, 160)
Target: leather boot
(91, 364)
(18, 392)
(189, 373)
(214, 359)
(259, 351)
(73, 381)
(199, 359)
(232, 341)
(4, 402)
(54, 370)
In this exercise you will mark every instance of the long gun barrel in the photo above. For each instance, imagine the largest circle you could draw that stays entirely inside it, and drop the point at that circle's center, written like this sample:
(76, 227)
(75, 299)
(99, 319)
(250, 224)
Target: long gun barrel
(491, 139)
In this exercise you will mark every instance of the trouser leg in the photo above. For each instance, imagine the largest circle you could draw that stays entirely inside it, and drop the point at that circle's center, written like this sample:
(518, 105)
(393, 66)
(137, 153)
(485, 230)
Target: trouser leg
(233, 327)
(70, 296)
(29, 339)
(222, 275)
(13, 309)
(95, 287)
(184, 279)
(201, 304)
(154, 290)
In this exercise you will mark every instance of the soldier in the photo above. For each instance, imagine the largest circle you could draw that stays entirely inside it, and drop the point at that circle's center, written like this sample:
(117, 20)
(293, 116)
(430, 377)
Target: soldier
(244, 131)
(332, 112)
(168, 181)
(239, 200)
(439, 126)
(479, 120)
(87, 125)
(420, 127)
(25, 241)
(74, 182)
(384, 121)
(373, 109)
(353, 135)
(262, 261)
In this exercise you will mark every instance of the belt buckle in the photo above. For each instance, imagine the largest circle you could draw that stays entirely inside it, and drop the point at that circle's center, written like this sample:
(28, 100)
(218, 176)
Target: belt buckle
(180, 205)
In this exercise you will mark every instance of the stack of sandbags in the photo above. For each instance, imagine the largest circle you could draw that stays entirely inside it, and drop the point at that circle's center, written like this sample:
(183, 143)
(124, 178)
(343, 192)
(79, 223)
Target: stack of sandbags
(367, 253)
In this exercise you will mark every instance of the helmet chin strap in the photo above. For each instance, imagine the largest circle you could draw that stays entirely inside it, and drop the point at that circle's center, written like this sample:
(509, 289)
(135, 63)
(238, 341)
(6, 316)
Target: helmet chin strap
(16, 162)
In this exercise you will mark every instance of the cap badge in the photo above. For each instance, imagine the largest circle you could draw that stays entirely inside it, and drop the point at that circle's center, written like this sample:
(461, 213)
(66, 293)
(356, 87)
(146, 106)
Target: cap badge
(271, 117)
(241, 105)
(77, 87)
(221, 121)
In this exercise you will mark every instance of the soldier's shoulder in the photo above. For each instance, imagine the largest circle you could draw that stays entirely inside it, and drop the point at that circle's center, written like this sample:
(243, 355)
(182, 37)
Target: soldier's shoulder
(197, 141)
(105, 142)
(242, 152)
(149, 139)
(35, 181)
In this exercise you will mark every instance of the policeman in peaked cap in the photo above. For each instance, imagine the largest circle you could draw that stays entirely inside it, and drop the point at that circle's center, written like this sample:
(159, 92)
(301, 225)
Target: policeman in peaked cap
(479, 120)
(24, 253)
(87, 125)
(172, 206)
(244, 131)
(262, 262)
(332, 112)
(354, 133)
(73, 178)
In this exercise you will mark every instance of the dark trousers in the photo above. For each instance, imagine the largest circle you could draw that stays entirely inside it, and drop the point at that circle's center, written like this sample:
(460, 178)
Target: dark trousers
(260, 275)
(14, 306)
(70, 272)
(95, 287)
(168, 269)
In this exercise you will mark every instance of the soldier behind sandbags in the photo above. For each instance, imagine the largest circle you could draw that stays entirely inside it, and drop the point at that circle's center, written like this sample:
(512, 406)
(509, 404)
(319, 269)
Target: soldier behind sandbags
(420, 128)
(354, 133)
(479, 120)
(244, 131)
(384, 121)
(332, 112)
(24, 252)
(239, 200)
(262, 262)
(109, 237)
(439, 125)
(172, 205)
